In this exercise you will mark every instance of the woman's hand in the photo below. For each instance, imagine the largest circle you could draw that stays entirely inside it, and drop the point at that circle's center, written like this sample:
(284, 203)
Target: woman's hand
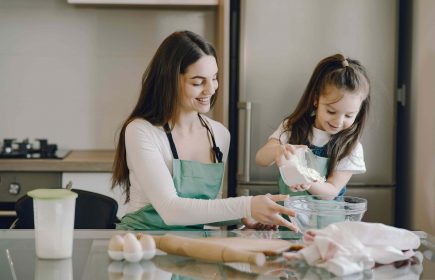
(253, 224)
(265, 210)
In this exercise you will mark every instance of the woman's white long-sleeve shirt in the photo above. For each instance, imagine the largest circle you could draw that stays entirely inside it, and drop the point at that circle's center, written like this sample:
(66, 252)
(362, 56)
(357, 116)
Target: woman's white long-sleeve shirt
(149, 160)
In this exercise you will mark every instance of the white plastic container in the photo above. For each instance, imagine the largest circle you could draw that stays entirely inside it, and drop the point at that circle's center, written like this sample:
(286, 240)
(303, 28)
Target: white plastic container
(54, 211)
(53, 269)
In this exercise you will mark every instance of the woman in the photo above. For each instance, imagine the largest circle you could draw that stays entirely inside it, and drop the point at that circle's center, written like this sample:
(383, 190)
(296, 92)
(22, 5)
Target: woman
(169, 158)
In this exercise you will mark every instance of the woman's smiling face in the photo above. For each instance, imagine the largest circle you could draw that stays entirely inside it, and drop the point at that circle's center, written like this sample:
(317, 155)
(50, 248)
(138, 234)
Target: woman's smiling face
(198, 85)
(336, 109)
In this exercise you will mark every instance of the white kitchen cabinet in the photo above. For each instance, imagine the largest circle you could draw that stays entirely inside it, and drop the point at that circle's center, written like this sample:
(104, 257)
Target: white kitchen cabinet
(98, 182)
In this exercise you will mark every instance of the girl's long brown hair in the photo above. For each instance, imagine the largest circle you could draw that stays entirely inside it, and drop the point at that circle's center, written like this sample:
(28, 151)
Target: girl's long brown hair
(343, 73)
(159, 94)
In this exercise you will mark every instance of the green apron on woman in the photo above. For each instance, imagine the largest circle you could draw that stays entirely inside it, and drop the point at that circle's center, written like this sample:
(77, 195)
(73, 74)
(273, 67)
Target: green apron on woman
(191, 180)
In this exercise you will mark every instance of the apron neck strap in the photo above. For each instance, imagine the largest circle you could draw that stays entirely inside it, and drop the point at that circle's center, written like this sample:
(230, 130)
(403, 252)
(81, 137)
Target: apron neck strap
(215, 148)
(171, 140)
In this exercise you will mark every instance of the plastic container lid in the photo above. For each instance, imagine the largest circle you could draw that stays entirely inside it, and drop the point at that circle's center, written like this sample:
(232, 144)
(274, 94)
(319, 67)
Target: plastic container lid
(52, 194)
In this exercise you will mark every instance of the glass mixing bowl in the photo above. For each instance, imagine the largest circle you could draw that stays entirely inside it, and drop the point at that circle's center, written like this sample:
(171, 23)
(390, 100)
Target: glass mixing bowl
(319, 211)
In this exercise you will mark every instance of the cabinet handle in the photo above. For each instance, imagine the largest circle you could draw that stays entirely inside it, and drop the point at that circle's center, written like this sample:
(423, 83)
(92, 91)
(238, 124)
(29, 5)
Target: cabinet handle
(8, 214)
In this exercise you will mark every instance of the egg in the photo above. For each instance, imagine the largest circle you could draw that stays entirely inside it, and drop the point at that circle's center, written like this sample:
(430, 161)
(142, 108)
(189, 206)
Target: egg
(116, 243)
(115, 267)
(115, 270)
(132, 271)
(116, 247)
(148, 246)
(132, 248)
(149, 270)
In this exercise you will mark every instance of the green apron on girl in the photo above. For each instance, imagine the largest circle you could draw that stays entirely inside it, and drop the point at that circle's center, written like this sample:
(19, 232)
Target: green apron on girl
(191, 180)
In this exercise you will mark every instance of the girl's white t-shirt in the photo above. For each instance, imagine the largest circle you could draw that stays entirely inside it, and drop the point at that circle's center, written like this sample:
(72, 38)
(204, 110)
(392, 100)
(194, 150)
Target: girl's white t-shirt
(149, 160)
(354, 162)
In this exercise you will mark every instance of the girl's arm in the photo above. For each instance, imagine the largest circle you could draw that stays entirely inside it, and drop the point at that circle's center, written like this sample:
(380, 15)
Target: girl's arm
(266, 155)
(334, 183)
(352, 164)
(274, 152)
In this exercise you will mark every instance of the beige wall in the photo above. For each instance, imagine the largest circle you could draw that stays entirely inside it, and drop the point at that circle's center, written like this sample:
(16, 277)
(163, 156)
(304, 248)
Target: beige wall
(72, 73)
(423, 116)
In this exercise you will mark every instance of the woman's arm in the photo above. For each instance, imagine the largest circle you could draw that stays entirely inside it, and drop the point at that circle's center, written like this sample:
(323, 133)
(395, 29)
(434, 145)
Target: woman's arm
(150, 173)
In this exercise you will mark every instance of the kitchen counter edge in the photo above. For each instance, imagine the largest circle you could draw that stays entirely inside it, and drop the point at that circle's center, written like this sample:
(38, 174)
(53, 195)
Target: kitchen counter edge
(76, 161)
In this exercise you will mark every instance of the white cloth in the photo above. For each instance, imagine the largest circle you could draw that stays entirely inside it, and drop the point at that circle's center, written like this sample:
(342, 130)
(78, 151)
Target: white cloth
(149, 160)
(350, 247)
(410, 271)
(354, 162)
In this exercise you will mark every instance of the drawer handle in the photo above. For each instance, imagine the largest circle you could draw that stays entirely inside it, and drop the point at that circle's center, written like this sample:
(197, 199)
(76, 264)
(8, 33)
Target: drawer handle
(69, 185)
(14, 188)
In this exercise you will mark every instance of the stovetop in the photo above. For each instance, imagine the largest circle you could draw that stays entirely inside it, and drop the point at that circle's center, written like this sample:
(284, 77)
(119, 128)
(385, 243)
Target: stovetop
(37, 149)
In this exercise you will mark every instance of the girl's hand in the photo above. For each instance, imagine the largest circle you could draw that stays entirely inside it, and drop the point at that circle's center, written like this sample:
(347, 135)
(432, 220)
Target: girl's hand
(285, 151)
(300, 187)
(253, 224)
(265, 210)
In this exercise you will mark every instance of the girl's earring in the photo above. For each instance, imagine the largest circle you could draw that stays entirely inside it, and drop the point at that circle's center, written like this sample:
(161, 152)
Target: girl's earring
(313, 113)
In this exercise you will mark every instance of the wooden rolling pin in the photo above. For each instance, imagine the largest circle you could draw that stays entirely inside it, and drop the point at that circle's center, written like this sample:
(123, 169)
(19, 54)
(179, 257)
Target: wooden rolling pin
(203, 250)
(196, 269)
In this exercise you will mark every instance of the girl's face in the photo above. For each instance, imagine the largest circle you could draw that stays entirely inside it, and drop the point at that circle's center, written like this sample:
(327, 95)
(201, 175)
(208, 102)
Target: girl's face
(198, 85)
(337, 109)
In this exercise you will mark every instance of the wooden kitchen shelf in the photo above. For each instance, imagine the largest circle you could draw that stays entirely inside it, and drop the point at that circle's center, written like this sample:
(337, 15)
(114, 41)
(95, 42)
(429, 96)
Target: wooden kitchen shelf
(76, 161)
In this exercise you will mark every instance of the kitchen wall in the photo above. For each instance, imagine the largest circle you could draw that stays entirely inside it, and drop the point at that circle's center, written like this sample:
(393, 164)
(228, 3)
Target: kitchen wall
(72, 73)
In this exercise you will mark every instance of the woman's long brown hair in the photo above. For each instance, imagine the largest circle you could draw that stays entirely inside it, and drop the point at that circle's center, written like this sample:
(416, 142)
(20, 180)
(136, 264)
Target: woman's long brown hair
(159, 94)
(343, 73)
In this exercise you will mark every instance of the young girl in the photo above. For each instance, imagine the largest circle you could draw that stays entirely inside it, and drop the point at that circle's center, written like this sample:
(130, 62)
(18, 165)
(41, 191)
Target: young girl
(329, 119)
(170, 156)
